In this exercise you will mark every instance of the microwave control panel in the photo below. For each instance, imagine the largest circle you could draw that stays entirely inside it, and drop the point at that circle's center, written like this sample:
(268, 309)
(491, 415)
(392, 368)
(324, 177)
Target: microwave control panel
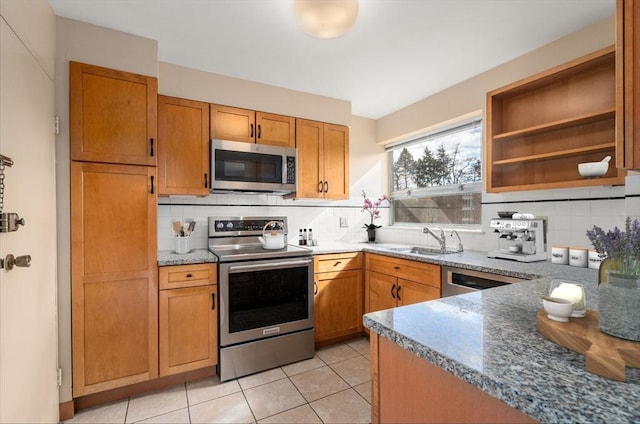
(291, 169)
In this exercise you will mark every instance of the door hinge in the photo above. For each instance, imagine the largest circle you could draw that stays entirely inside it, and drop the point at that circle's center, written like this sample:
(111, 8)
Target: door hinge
(56, 125)
(59, 377)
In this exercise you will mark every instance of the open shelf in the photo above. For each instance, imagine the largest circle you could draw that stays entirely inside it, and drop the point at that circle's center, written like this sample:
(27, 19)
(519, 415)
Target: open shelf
(540, 128)
(556, 125)
(557, 154)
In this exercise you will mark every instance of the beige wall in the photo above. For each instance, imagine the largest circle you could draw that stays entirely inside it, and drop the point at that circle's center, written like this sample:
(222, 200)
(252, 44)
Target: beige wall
(470, 95)
(194, 84)
(82, 42)
(28, 309)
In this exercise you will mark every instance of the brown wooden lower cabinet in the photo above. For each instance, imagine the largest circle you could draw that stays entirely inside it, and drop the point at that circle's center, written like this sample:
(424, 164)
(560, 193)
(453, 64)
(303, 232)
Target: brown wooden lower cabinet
(338, 297)
(391, 282)
(114, 286)
(409, 389)
(188, 323)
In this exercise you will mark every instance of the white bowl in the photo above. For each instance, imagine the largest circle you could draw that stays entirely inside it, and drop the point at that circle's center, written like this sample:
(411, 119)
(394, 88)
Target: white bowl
(558, 309)
(593, 169)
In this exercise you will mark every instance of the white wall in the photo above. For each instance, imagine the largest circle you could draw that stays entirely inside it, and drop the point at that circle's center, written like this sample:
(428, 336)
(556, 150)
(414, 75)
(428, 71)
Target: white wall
(28, 327)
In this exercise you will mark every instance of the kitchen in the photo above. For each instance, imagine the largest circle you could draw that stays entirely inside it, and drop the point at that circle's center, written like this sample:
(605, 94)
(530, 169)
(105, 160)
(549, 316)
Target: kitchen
(570, 211)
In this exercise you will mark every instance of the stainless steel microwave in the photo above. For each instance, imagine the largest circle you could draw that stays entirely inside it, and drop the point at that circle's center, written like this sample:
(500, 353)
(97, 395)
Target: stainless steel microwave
(252, 168)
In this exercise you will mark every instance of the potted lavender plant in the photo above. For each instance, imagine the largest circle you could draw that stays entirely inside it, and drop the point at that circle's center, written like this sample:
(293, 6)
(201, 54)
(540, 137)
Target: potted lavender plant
(619, 288)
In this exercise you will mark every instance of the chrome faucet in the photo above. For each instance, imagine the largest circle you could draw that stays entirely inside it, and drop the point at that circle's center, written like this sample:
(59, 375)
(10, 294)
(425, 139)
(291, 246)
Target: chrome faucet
(442, 240)
(460, 247)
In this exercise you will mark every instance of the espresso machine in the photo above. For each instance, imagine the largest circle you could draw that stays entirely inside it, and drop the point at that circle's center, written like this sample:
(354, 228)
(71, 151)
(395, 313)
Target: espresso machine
(523, 240)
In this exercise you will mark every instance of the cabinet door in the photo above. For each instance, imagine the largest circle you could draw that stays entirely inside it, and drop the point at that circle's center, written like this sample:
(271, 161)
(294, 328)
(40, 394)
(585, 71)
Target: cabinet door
(336, 161)
(338, 305)
(411, 292)
(628, 84)
(183, 147)
(188, 329)
(381, 291)
(232, 123)
(309, 142)
(275, 130)
(114, 276)
(113, 116)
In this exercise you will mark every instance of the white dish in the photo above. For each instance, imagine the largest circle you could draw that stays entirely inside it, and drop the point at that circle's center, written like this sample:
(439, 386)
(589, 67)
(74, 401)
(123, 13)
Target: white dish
(557, 309)
(593, 169)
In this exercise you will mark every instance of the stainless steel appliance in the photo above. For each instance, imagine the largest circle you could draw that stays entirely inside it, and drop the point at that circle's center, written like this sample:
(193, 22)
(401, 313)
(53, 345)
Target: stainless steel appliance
(523, 240)
(459, 281)
(249, 167)
(266, 297)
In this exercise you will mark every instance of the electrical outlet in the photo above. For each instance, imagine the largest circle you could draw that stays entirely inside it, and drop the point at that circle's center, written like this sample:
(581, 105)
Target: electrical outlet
(344, 222)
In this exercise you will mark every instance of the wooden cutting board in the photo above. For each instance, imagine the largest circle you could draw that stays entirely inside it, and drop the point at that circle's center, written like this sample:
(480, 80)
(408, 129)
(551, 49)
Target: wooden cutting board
(605, 355)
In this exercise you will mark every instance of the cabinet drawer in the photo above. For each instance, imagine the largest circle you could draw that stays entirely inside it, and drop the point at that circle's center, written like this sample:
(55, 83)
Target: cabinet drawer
(177, 276)
(402, 268)
(337, 262)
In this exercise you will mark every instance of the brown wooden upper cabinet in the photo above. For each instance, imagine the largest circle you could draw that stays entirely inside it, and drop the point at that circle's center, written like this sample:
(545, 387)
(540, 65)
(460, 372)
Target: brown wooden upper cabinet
(183, 147)
(113, 116)
(628, 83)
(323, 160)
(235, 124)
(540, 128)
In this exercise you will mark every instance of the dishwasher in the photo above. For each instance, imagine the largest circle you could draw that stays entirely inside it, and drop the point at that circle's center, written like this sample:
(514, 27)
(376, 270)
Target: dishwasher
(459, 281)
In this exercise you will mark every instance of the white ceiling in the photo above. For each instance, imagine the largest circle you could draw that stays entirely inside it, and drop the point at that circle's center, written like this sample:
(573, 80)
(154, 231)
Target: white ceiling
(398, 52)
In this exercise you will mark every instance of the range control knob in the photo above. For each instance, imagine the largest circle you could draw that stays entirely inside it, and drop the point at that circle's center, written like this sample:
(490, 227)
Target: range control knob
(229, 225)
(219, 225)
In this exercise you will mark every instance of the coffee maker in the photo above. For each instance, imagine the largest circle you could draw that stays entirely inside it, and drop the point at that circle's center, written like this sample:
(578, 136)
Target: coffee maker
(523, 240)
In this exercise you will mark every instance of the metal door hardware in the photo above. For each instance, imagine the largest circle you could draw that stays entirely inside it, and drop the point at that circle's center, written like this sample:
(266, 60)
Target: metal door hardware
(4, 162)
(9, 222)
(10, 261)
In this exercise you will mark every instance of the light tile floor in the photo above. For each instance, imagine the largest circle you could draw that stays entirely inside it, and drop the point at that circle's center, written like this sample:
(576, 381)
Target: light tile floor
(332, 387)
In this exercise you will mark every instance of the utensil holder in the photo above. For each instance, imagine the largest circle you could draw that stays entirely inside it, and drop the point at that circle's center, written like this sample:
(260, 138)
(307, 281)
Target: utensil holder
(182, 244)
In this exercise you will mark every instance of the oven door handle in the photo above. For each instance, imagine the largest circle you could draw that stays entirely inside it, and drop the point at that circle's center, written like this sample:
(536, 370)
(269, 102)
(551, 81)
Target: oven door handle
(269, 265)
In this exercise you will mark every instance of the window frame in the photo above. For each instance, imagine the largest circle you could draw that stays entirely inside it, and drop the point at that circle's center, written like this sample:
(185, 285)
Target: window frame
(471, 120)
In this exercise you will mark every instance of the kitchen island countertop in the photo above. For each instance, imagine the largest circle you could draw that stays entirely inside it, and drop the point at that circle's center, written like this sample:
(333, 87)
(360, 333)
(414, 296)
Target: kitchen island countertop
(489, 340)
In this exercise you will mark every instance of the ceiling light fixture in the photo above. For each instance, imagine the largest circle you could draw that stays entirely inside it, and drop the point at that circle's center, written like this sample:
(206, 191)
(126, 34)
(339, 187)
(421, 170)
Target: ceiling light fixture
(326, 18)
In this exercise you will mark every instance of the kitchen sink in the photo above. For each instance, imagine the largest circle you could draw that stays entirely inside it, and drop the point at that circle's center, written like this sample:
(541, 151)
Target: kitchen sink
(419, 250)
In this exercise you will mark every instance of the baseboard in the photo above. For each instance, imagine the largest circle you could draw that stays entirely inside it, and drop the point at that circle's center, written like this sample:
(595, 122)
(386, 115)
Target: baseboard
(67, 410)
(120, 393)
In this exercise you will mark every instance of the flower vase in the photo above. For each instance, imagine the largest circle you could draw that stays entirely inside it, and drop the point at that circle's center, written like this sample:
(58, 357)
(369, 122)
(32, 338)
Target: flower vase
(371, 234)
(619, 305)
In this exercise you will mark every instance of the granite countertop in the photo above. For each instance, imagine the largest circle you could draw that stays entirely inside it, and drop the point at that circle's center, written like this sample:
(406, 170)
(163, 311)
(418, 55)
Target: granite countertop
(489, 339)
(196, 256)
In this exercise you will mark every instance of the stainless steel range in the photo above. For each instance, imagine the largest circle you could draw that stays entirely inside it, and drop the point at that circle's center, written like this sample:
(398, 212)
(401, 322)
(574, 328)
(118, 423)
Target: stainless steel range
(266, 296)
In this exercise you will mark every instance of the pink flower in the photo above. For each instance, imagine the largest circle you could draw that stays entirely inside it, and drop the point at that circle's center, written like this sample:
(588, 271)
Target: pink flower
(373, 208)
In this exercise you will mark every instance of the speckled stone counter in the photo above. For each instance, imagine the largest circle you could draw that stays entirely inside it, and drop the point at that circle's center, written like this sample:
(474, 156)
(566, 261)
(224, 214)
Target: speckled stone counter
(489, 339)
(196, 256)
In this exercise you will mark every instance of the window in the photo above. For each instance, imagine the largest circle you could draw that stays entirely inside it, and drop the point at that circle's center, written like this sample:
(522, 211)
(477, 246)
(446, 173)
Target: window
(437, 179)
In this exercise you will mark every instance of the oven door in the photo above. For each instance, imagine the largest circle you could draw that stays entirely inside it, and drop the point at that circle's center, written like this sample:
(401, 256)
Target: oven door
(261, 299)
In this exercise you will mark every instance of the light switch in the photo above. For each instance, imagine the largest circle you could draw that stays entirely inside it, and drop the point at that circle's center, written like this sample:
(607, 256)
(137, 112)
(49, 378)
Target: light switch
(343, 222)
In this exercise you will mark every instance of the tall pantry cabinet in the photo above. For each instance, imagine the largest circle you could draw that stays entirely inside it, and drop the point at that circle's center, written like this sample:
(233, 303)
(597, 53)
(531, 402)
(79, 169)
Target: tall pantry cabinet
(114, 289)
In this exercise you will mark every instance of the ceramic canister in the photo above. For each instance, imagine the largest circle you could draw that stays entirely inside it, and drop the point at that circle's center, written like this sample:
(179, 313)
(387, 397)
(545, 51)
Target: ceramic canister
(594, 259)
(578, 257)
(560, 255)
